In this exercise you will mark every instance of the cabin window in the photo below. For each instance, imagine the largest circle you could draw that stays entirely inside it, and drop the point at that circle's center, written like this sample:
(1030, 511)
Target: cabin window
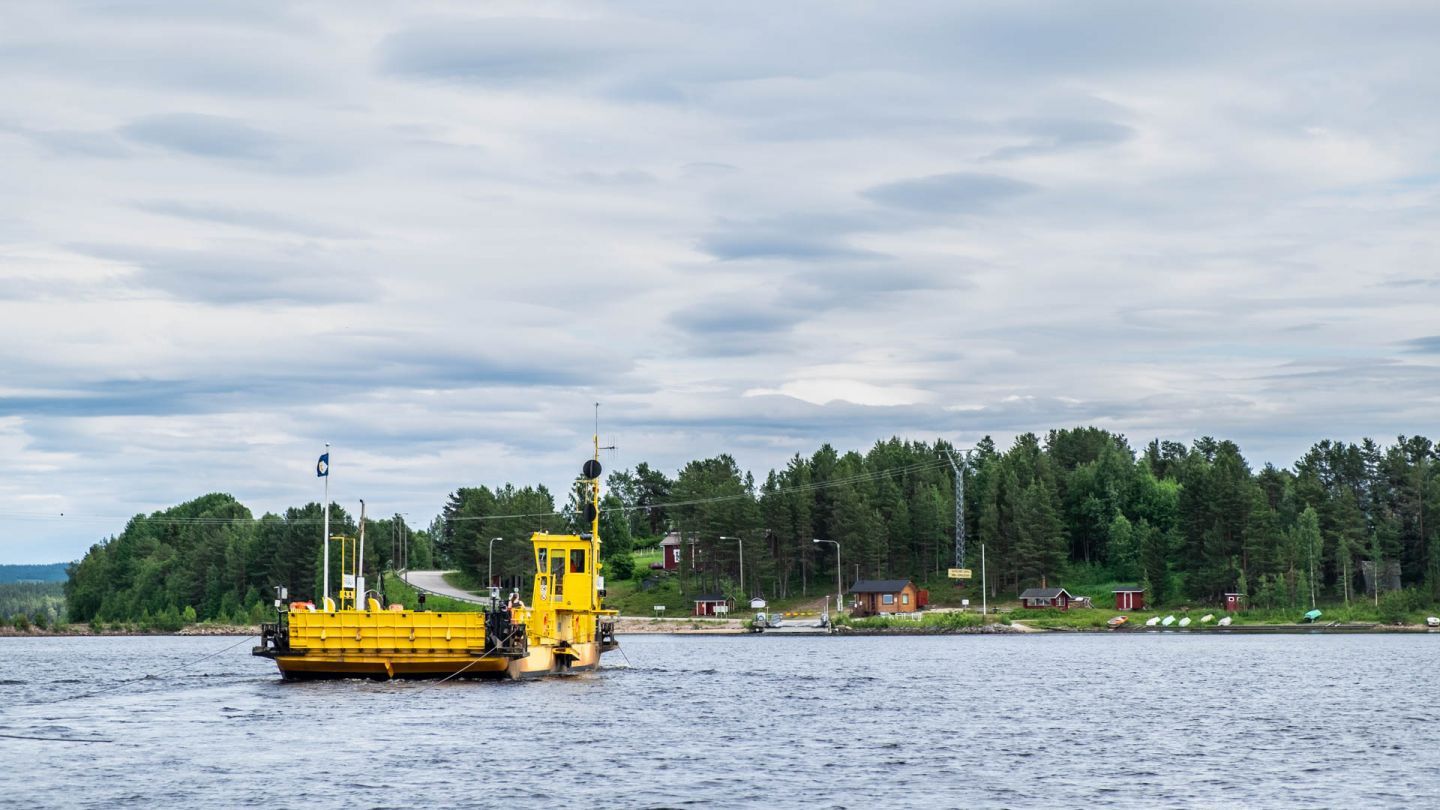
(577, 561)
(541, 566)
(904, 598)
(888, 599)
(557, 570)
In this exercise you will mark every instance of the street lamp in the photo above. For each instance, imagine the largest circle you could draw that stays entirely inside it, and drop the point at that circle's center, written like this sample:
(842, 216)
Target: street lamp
(490, 570)
(839, 596)
(743, 595)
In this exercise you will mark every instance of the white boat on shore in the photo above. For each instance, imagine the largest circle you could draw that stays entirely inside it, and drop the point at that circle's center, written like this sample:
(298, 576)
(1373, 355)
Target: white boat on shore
(1167, 621)
(1152, 621)
(1185, 622)
(1225, 622)
(1207, 618)
(1432, 621)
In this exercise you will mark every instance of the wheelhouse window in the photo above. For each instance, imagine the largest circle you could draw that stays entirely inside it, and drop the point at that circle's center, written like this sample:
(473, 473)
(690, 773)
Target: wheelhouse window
(557, 570)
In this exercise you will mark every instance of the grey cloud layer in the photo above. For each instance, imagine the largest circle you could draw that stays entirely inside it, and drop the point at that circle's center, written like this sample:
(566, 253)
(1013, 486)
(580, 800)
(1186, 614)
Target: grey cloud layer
(436, 234)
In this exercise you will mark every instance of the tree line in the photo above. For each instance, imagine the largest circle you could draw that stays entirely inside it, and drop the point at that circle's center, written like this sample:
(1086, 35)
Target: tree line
(1186, 522)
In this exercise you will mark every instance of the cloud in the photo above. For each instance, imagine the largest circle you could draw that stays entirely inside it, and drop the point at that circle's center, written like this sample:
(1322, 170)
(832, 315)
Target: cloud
(204, 135)
(239, 274)
(1424, 345)
(1047, 136)
(950, 193)
(504, 50)
(229, 139)
(248, 218)
(435, 237)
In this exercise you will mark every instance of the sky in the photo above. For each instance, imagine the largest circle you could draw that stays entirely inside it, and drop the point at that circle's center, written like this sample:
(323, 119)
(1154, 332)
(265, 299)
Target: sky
(435, 234)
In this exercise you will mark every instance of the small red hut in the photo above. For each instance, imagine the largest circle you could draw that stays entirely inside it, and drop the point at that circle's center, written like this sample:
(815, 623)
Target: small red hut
(705, 604)
(1129, 597)
(1232, 602)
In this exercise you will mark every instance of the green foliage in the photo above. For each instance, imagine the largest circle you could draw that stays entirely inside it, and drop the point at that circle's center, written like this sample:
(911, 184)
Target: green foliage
(921, 623)
(33, 599)
(1078, 506)
(1396, 607)
(210, 560)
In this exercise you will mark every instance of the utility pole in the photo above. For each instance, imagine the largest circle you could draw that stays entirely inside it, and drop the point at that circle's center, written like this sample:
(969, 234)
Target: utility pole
(959, 469)
(984, 589)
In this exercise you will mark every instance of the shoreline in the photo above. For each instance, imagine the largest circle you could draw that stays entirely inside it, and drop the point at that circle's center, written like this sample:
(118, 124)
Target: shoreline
(635, 626)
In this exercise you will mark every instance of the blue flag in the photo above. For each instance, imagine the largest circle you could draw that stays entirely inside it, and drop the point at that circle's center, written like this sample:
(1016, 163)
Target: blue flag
(322, 467)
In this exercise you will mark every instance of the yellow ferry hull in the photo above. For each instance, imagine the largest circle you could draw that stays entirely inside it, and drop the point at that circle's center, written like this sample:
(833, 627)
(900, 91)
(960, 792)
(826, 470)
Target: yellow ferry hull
(540, 661)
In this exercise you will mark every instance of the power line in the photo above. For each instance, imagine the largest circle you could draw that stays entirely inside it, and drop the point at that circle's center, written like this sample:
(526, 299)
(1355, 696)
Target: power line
(813, 486)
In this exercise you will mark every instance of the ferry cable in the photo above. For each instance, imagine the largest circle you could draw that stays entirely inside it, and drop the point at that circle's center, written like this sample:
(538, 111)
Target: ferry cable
(151, 676)
(477, 660)
(113, 686)
(54, 739)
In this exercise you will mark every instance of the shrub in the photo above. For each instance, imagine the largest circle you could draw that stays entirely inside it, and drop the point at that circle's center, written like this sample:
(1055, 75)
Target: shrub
(1396, 606)
(188, 615)
(21, 622)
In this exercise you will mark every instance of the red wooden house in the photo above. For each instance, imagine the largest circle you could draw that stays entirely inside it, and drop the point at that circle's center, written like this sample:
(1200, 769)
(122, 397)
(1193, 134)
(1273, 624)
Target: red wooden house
(1036, 598)
(873, 596)
(670, 553)
(1129, 597)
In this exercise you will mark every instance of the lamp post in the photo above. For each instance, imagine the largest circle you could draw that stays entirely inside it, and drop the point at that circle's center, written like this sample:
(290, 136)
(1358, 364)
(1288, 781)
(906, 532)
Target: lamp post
(490, 570)
(741, 541)
(839, 596)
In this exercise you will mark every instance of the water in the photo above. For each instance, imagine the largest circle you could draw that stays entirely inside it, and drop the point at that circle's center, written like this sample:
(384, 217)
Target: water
(1139, 720)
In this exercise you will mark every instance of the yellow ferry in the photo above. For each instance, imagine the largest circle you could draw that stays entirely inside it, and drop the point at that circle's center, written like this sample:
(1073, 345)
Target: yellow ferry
(563, 629)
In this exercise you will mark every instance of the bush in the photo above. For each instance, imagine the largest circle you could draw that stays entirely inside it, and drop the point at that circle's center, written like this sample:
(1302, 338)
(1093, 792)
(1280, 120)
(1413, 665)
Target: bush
(21, 622)
(188, 615)
(42, 620)
(1396, 606)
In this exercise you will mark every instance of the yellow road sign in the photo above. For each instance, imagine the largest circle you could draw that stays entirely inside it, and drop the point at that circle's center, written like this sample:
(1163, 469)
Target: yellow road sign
(960, 573)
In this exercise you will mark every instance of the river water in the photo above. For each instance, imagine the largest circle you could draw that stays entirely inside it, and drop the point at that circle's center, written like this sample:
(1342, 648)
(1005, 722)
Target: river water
(1130, 720)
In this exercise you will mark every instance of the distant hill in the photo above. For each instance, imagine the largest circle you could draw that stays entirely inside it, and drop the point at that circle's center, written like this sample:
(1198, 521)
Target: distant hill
(51, 572)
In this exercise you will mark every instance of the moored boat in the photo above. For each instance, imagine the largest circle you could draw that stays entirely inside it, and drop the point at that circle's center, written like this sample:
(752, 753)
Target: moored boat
(564, 628)
(1117, 622)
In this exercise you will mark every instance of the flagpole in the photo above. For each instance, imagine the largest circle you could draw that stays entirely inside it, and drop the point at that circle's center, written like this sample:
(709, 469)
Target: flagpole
(325, 538)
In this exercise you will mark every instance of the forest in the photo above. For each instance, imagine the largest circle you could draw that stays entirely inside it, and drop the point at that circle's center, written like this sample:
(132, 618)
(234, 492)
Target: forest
(1188, 522)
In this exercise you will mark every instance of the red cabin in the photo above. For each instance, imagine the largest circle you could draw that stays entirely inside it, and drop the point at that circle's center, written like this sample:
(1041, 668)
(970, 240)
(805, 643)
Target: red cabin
(1036, 598)
(1232, 602)
(706, 604)
(876, 596)
(1129, 597)
(670, 552)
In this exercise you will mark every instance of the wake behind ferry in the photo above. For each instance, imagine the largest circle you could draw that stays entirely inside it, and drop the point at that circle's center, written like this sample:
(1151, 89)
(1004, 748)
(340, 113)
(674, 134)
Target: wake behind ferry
(564, 628)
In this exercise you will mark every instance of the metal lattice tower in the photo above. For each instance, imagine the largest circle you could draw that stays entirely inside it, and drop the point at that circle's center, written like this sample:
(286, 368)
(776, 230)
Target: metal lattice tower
(959, 469)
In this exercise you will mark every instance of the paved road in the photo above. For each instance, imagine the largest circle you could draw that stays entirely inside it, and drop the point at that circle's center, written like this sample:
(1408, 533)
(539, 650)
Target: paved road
(434, 582)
